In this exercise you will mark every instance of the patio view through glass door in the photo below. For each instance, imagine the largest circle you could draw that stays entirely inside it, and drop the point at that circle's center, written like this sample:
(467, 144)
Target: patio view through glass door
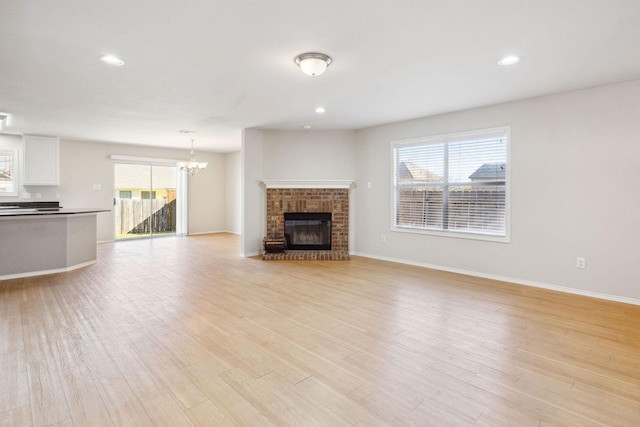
(145, 200)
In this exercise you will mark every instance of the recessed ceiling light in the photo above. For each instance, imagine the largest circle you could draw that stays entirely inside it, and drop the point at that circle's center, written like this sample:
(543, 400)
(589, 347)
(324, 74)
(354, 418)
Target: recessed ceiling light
(112, 60)
(320, 110)
(307, 126)
(509, 60)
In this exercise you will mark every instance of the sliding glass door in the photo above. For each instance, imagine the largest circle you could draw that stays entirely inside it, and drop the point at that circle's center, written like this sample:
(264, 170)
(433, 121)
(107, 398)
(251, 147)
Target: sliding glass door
(145, 199)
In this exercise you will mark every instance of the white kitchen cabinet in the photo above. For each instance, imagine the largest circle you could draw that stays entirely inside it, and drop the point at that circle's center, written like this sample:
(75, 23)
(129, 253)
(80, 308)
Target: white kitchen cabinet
(41, 164)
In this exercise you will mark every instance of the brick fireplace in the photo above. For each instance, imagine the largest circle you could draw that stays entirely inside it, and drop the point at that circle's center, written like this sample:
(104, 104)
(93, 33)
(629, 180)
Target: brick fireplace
(282, 199)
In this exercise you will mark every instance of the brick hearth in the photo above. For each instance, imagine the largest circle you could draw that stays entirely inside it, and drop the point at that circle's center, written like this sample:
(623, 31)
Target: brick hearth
(334, 200)
(307, 256)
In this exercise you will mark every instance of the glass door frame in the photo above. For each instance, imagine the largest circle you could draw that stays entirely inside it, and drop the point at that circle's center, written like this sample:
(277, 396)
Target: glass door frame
(182, 204)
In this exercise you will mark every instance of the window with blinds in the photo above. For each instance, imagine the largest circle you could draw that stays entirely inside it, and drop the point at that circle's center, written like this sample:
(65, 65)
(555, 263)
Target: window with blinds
(453, 184)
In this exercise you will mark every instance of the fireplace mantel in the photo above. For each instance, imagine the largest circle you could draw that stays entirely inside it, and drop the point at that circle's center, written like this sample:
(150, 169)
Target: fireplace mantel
(294, 183)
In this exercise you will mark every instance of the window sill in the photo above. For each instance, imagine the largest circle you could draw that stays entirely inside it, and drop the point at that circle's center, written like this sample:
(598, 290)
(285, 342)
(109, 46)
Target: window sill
(453, 234)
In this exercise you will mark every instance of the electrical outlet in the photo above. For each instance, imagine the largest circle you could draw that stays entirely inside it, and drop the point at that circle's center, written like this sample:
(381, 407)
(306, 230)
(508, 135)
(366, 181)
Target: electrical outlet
(26, 195)
(369, 185)
(383, 239)
(38, 195)
(580, 262)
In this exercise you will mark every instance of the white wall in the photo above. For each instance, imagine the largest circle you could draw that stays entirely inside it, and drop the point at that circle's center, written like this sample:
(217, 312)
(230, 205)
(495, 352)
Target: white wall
(289, 155)
(233, 191)
(253, 202)
(84, 163)
(207, 194)
(575, 159)
(309, 155)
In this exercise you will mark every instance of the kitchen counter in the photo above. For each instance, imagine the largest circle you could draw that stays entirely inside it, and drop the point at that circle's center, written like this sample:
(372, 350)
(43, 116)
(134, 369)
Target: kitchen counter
(47, 211)
(38, 239)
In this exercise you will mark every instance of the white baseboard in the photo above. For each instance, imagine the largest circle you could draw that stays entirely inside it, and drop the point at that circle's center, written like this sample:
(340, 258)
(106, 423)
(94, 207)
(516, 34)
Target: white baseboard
(208, 232)
(43, 272)
(517, 281)
(179, 235)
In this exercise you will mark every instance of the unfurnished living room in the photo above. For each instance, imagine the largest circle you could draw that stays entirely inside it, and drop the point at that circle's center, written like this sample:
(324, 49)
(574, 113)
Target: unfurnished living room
(274, 213)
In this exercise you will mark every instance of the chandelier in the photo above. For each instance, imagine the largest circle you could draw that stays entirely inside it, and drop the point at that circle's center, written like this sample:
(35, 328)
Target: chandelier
(192, 167)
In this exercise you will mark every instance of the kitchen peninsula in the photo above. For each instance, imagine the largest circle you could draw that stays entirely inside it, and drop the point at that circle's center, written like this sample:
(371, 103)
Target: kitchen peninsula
(42, 238)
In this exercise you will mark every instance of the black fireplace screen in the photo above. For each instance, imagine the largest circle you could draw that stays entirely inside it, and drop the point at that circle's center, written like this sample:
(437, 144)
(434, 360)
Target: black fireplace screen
(307, 230)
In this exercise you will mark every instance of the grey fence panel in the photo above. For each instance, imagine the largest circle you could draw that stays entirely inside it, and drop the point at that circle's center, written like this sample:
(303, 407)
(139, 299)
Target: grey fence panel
(143, 216)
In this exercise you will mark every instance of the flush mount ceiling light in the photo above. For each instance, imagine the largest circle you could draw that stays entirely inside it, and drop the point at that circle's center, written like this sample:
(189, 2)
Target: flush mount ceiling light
(320, 110)
(509, 60)
(192, 167)
(112, 60)
(313, 63)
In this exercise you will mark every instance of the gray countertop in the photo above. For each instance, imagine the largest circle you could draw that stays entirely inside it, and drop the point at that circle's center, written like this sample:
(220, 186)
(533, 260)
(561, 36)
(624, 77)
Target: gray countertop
(11, 212)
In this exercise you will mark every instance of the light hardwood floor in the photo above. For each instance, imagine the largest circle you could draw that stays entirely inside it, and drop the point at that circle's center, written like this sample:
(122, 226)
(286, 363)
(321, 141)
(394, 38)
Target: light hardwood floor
(182, 331)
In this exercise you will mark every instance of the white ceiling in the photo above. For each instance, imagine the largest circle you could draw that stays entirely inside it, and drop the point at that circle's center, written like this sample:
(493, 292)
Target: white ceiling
(215, 66)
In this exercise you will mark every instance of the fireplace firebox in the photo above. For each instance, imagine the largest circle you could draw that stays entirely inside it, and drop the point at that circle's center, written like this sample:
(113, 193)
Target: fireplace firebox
(307, 230)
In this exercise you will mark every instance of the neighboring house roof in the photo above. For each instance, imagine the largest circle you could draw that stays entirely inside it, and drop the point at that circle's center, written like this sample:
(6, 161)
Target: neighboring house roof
(408, 171)
(488, 171)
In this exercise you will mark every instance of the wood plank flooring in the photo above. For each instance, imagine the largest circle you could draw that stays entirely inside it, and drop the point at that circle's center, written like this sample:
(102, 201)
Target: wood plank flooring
(182, 331)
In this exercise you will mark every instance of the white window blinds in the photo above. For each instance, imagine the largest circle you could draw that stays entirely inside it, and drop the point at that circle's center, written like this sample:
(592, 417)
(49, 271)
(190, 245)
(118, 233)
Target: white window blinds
(452, 184)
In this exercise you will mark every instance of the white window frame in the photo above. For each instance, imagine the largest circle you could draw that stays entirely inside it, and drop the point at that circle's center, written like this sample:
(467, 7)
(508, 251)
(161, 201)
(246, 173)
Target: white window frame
(6, 152)
(445, 138)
